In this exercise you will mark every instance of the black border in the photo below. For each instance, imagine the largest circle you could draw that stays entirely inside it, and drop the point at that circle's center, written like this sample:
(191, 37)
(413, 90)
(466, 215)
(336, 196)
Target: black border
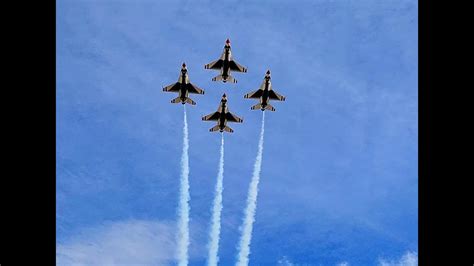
(29, 197)
(445, 208)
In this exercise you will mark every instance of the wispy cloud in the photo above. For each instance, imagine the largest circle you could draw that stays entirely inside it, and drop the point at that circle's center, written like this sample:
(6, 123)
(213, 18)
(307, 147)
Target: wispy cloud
(285, 261)
(132, 242)
(408, 259)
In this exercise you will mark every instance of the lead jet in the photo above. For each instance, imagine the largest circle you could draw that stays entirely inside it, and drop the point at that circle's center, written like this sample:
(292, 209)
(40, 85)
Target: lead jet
(265, 93)
(183, 87)
(226, 64)
(222, 116)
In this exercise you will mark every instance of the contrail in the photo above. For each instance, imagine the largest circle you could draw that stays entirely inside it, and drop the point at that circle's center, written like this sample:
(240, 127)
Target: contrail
(215, 231)
(183, 209)
(246, 236)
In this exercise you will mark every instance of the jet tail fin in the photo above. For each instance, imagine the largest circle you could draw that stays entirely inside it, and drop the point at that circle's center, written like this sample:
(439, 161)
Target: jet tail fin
(217, 128)
(221, 78)
(179, 100)
(259, 106)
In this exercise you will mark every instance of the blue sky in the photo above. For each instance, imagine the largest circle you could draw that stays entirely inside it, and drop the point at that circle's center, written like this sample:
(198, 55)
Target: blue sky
(339, 175)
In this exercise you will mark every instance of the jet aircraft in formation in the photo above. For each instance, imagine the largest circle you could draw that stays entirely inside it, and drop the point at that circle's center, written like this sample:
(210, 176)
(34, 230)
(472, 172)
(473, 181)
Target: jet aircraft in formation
(265, 93)
(222, 116)
(183, 87)
(225, 64)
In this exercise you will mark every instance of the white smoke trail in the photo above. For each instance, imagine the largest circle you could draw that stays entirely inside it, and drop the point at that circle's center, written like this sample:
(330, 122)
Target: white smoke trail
(246, 236)
(183, 209)
(215, 231)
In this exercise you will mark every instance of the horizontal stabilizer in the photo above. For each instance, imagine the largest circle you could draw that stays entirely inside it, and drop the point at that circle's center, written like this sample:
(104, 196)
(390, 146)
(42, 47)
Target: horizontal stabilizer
(269, 108)
(179, 100)
(259, 106)
(189, 101)
(215, 128)
(228, 129)
(176, 100)
(255, 107)
(221, 78)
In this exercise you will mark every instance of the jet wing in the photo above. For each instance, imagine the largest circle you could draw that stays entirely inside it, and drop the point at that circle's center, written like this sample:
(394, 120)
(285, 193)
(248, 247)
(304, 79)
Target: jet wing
(194, 89)
(215, 65)
(233, 118)
(172, 88)
(211, 117)
(275, 96)
(234, 66)
(256, 94)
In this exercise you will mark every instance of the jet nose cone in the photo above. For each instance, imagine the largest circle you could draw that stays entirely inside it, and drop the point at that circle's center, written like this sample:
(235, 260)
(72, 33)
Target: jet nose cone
(268, 72)
(184, 65)
(227, 41)
(224, 96)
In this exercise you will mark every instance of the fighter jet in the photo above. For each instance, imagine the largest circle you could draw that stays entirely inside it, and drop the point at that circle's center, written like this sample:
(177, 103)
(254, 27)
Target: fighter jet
(265, 93)
(225, 64)
(183, 87)
(222, 116)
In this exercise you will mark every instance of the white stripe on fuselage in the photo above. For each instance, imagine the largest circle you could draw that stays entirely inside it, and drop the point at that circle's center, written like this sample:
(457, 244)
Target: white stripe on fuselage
(184, 80)
(222, 118)
(227, 58)
(266, 89)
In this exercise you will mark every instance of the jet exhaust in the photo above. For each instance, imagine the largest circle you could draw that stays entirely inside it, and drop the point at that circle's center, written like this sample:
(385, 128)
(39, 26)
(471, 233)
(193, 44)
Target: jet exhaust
(246, 229)
(183, 208)
(215, 230)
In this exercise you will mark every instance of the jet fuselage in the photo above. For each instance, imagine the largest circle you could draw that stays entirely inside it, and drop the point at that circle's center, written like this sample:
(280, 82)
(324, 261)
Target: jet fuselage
(222, 116)
(265, 94)
(183, 92)
(222, 119)
(225, 66)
